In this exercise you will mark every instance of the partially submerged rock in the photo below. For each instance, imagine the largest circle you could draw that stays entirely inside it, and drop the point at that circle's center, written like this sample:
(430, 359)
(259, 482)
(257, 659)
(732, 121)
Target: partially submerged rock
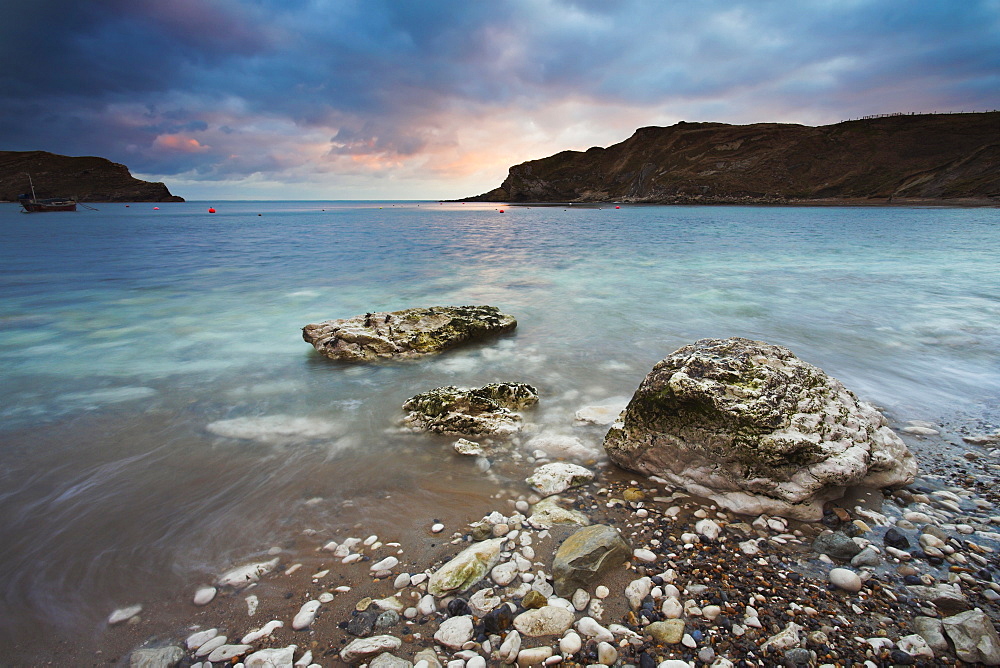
(408, 333)
(755, 429)
(548, 512)
(585, 555)
(458, 410)
(557, 477)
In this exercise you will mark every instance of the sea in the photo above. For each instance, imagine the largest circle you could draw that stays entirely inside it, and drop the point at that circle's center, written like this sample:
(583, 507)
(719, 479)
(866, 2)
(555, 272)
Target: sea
(161, 418)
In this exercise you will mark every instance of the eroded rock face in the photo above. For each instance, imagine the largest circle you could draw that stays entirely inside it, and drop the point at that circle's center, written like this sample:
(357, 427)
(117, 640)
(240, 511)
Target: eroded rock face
(458, 410)
(755, 429)
(409, 333)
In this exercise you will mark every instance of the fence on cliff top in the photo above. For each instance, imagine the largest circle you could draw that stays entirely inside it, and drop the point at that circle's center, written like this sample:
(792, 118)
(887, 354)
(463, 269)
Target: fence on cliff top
(919, 113)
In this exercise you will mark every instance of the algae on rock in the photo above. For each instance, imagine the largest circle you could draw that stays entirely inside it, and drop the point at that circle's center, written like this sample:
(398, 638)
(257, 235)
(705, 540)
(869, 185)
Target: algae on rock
(457, 410)
(408, 333)
(466, 568)
(756, 429)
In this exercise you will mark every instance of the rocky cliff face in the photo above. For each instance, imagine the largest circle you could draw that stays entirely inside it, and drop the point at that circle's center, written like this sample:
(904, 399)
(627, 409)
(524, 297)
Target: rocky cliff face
(88, 179)
(928, 156)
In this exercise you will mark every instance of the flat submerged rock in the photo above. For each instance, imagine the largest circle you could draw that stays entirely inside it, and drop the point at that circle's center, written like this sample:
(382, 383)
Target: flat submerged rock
(405, 334)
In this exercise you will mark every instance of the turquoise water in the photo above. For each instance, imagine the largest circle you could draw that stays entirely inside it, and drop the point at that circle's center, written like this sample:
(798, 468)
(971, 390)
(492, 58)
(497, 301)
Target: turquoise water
(162, 417)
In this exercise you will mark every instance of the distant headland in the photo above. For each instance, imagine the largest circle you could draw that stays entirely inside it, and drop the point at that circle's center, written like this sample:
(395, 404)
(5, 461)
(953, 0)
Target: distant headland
(894, 158)
(87, 179)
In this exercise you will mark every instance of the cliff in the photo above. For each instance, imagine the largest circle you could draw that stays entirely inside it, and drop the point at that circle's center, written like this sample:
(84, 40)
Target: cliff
(88, 179)
(920, 157)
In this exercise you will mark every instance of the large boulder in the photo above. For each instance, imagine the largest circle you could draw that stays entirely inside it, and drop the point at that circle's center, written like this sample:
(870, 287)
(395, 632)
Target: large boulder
(459, 410)
(755, 429)
(409, 333)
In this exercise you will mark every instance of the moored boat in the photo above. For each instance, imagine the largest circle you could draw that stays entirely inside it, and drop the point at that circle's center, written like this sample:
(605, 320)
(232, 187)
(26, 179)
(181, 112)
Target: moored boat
(34, 205)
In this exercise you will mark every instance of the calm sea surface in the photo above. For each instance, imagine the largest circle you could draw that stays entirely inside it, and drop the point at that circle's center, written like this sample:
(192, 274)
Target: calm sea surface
(161, 417)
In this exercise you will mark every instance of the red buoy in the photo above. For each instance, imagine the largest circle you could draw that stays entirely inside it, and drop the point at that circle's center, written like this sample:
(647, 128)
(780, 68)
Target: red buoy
(501, 210)
(617, 207)
(211, 210)
(156, 208)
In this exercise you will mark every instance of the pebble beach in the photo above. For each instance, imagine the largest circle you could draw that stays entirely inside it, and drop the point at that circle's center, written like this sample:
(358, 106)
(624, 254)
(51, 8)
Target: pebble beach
(703, 587)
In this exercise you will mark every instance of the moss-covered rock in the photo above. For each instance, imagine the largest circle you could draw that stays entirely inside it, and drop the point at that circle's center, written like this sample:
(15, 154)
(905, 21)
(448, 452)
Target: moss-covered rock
(756, 429)
(409, 333)
(459, 410)
(466, 569)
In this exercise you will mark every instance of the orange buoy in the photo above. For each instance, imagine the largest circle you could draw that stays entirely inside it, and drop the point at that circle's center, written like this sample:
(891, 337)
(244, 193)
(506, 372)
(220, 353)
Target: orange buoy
(211, 210)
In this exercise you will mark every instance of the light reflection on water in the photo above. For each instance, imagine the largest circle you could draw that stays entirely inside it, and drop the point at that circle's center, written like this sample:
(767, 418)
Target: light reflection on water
(125, 334)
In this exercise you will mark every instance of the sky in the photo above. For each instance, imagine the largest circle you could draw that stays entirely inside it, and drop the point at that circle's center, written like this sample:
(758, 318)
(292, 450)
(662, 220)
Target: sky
(436, 99)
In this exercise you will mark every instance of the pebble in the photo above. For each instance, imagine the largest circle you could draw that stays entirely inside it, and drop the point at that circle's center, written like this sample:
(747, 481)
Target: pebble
(211, 645)
(533, 656)
(305, 615)
(590, 627)
(570, 643)
(845, 579)
(227, 652)
(454, 632)
(196, 640)
(437, 528)
(204, 595)
(385, 564)
(263, 632)
(643, 554)
(511, 646)
(123, 614)
(606, 654)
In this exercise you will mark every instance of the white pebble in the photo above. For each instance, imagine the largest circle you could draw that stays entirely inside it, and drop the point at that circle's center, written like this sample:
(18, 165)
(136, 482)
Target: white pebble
(306, 615)
(385, 564)
(437, 528)
(122, 614)
(570, 643)
(263, 632)
(204, 595)
(402, 580)
(845, 579)
(644, 555)
(211, 645)
(196, 640)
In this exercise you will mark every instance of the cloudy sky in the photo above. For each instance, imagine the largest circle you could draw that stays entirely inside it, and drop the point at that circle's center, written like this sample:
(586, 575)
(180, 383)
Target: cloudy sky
(429, 99)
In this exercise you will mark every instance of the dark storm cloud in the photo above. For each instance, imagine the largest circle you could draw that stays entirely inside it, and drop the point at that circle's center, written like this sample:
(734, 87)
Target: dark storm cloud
(225, 88)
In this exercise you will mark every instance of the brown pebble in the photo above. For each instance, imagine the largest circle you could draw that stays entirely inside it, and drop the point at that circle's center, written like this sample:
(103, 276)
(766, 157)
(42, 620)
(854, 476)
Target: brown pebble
(634, 494)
